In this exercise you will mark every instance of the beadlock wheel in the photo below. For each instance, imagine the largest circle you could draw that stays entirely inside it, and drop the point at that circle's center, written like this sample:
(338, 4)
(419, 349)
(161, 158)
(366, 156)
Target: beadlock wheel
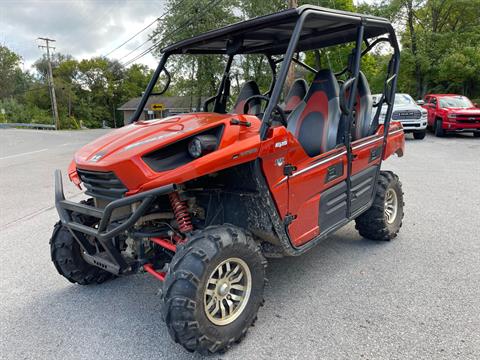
(391, 206)
(227, 291)
(213, 288)
(383, 219)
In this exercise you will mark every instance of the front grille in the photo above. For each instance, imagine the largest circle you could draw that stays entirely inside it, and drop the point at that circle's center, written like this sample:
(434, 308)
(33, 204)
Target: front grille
(468, 119)
(406, 114)
(103, 185)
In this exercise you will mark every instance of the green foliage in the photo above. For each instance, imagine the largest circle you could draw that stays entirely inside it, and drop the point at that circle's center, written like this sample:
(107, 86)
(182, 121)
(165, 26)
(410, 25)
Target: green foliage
(16, 112)
(87, 91)
(11, 79)
(440, 44)
(193, 75)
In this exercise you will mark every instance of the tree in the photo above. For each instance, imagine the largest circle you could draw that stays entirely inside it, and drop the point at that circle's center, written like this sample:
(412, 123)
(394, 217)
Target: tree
(436, 33)
(194, 75)
(11, 79)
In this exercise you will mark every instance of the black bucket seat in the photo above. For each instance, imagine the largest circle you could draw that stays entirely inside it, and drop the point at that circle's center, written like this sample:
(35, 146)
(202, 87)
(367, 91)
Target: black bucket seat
(314, 122)
(363, 109)
(249, 89)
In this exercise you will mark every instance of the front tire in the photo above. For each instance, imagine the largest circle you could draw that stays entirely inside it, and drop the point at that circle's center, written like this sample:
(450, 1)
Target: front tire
(439, 132)
(66, 255)
(383, 220)
(213, 289)
(420, 135)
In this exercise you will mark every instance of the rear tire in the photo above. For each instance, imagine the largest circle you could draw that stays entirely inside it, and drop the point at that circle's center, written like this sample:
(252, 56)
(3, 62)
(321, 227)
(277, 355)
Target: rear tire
(439, 132)
(383, 220)
(420, 135)
(193, 289)
(67, 257)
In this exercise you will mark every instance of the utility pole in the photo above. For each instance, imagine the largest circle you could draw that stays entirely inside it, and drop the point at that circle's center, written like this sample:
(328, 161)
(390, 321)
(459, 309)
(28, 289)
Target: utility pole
(291, 71)
(51, 86)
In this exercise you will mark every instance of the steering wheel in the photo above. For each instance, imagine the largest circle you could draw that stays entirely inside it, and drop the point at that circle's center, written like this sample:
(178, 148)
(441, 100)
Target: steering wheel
(277, 108)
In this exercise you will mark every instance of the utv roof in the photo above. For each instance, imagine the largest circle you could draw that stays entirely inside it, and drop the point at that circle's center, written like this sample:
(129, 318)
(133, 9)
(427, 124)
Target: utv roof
(270, 34)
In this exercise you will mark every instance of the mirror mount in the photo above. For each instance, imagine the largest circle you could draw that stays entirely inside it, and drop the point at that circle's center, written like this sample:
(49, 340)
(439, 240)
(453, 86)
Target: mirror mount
(167, 84)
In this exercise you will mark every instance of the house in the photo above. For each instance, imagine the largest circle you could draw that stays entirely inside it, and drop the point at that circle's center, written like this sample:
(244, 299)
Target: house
(161, 106)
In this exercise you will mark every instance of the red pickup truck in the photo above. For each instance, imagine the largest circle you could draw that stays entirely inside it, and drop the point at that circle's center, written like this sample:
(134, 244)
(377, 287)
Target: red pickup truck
(452, 113)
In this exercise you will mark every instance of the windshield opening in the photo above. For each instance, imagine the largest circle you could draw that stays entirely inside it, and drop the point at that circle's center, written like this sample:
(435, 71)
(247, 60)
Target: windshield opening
(455, 102)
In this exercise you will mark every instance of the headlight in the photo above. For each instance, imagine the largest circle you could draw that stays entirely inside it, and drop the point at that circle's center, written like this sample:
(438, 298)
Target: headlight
(452, 116)
(424, 114)
(201, 145)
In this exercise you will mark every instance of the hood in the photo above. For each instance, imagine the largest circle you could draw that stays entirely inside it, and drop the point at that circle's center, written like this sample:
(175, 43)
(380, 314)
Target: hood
(134, 153)
(404, 107)
(464, 111)
(144, 136)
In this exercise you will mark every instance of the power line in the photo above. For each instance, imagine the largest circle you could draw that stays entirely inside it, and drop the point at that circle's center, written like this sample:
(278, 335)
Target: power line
(156, 44)
(182, 26)
(138, 33)
(129, 39)
(146, 41)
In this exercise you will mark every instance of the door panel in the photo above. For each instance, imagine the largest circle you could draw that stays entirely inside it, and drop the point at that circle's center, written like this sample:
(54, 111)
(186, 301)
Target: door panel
(362, 185)
(307, 185)
(366, 157)
(333, 206)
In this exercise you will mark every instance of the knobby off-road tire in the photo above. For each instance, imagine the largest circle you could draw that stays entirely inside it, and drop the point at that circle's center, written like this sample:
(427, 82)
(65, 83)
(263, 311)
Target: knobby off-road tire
(420, 135)
(194, 273)
(67, 258)
(375, 223)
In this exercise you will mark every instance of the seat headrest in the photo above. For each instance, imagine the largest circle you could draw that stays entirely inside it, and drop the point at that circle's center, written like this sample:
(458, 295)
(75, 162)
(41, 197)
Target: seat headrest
(249, 89)
(363, 109)
(326, 81)
(296, 94)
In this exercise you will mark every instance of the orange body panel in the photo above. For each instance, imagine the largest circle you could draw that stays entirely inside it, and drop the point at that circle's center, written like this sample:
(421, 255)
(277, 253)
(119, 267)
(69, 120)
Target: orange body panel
(299, 195)
(121, 151)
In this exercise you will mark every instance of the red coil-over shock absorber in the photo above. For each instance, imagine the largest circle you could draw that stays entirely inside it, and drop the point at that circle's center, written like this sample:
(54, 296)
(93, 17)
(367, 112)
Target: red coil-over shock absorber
(180, 210)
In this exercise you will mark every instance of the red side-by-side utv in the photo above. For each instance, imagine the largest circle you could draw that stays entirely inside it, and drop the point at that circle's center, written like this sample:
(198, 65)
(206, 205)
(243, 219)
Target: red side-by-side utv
(200, 200)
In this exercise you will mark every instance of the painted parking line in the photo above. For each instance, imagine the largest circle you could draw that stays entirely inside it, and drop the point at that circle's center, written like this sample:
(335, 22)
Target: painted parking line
(22, 154)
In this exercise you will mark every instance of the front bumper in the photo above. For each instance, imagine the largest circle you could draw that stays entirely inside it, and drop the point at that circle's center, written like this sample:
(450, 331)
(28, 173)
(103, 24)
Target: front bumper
(105, 231)
(414, 125)
(459, 126)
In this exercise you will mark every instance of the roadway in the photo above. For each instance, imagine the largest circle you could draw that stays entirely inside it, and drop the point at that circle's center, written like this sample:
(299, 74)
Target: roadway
(416, 297)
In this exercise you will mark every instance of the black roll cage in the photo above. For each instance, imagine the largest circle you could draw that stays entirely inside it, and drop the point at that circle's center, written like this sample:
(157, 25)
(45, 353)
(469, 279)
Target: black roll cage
(233, 48)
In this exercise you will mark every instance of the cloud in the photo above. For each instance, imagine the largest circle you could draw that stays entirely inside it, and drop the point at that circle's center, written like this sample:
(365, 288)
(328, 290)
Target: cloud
(81, 28)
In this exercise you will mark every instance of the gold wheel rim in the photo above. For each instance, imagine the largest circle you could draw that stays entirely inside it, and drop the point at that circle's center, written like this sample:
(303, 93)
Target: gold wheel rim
(391, 206)
(227, 291)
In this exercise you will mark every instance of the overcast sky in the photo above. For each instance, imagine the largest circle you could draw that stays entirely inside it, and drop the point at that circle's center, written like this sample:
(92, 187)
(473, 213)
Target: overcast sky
(81, 28)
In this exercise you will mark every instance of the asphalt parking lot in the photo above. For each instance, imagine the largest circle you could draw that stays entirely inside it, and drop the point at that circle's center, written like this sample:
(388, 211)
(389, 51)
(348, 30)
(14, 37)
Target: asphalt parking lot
(417, 297)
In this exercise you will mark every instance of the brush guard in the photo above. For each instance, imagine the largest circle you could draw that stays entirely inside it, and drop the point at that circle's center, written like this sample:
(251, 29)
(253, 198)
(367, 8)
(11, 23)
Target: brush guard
(113, 262)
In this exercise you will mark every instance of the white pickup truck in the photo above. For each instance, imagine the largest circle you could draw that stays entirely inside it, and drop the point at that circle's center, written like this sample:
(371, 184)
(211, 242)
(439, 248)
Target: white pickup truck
(412, 116)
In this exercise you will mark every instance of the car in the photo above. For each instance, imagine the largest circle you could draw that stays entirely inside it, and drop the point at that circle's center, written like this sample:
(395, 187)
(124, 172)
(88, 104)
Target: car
(201, 200)
(412, 116)
(452, 113)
